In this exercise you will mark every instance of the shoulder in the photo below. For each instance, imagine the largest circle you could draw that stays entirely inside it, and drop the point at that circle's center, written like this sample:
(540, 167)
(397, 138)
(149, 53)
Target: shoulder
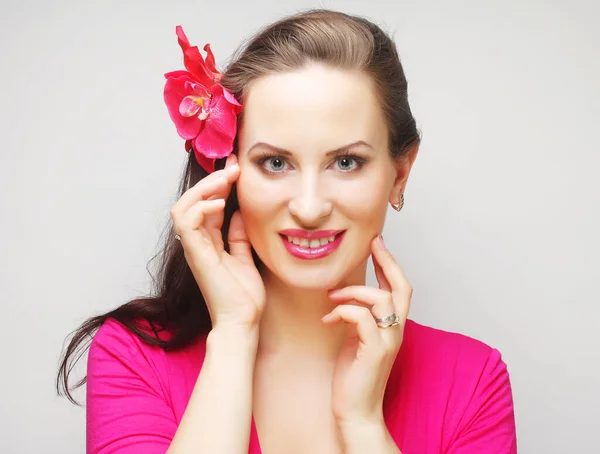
(440, 347)
(136, 391)
(116, 347)
(456, 386)
(118, 339)
(118, 359)
(449, 362)
(450, 367)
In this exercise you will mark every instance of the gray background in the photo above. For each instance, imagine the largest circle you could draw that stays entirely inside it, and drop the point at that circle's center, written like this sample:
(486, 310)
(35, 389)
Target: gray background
(498, 235)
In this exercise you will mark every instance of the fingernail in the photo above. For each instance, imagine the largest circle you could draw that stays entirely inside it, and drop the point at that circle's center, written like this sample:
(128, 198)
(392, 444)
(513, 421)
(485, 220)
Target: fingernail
(380, 239)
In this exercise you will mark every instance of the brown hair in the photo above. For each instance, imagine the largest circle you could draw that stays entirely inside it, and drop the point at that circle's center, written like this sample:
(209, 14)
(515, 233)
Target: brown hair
(317, 35)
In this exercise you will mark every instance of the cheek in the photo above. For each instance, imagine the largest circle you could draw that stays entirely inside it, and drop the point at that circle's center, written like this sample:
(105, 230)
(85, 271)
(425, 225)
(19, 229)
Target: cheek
(365, 207)
(257, 202)
(364, 200)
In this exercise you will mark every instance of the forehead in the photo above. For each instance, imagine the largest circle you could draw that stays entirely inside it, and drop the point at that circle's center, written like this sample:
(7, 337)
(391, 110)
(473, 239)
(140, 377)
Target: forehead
(313, 107)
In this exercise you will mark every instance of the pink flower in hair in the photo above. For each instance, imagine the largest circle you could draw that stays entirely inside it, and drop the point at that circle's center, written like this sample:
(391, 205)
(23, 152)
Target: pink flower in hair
(204, 112)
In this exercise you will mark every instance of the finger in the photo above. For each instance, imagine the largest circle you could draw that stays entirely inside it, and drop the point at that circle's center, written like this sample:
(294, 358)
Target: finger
(401, 288)
(239, 244)
(195, 216)
(390, 267)
(214, 222)
(361, 317)
(379, 302)
(194, 238)
(201, 191)
(205, 188)
(231, 173)
(381, 279)
(215, 186)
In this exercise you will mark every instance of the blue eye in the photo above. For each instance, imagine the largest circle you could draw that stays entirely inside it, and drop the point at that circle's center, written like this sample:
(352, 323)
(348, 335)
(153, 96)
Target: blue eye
(346, 159)
(278, 162)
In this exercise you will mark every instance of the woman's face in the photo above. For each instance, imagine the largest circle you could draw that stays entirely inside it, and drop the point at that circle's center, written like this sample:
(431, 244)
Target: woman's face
(291, 177)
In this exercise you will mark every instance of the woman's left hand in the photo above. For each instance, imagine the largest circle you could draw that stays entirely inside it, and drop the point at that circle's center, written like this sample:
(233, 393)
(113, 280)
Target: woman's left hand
(365, 359)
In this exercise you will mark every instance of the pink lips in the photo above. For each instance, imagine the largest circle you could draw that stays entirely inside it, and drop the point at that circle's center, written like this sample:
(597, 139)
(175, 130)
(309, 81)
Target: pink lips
(312, 253)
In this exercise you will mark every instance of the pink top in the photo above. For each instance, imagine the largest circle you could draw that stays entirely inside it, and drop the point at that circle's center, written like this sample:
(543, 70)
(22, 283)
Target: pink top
(447, 393)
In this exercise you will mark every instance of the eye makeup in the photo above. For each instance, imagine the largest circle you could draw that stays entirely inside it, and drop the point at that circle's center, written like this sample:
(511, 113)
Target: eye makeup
(265, 156)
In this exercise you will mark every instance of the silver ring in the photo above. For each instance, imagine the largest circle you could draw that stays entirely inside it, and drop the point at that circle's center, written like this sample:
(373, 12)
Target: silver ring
(397, 322)
(386, 319)
(177, 237)
(386, 322)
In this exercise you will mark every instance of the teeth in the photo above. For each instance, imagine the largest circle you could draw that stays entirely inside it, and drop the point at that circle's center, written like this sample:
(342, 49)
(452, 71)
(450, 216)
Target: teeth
(315, 243)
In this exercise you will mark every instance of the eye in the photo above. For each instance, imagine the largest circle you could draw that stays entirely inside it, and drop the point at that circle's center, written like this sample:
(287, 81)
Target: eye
(274, 163)
(345, 162)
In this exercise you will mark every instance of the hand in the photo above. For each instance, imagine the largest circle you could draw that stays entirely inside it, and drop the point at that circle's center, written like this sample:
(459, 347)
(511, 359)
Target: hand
(230, 283)
(365, 359)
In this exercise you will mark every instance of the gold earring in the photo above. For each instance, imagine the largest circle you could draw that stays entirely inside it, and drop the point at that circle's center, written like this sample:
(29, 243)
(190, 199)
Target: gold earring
(398, 206)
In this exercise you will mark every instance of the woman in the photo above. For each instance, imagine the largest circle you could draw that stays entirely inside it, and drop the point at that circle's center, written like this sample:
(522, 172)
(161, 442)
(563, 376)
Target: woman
(263, 336)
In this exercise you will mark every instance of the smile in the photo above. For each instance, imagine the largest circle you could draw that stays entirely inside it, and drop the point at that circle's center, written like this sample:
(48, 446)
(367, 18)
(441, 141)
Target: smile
(312, 249)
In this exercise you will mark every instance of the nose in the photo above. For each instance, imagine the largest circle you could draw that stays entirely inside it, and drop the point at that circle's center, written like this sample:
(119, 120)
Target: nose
(309, 205)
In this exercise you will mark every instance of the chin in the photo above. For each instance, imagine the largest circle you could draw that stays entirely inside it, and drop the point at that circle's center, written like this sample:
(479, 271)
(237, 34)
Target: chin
(316, 274)
(309, 275)
(310, 279)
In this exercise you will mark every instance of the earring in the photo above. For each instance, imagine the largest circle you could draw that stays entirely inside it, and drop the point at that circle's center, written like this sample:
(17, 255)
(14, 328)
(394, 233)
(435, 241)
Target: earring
(398, 206)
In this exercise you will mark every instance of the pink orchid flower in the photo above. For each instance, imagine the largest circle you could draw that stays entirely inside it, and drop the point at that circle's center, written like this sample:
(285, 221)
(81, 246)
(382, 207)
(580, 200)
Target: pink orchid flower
(204, 112)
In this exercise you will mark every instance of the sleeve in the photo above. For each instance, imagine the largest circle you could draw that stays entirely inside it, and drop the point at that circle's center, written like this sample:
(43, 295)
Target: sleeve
(126, 408)
(488, 424)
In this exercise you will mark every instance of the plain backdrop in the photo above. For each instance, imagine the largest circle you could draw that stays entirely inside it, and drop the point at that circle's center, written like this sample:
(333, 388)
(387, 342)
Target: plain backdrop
(498, 236)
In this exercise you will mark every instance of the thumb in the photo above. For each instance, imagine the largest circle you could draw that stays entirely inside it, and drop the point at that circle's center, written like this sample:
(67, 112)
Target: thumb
(239, 244)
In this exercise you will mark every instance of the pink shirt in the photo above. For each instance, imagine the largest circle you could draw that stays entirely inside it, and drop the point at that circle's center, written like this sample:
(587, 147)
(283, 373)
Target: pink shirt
(447, 393)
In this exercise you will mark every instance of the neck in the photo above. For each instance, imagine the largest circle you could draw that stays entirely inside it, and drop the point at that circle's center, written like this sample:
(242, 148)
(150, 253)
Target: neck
(291, 323)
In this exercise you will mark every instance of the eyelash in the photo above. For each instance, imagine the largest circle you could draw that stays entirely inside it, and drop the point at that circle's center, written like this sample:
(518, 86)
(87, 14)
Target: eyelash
(265, 156)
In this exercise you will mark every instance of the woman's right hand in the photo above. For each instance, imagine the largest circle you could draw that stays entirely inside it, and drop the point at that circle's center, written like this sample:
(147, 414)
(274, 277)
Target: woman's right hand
(230, 283)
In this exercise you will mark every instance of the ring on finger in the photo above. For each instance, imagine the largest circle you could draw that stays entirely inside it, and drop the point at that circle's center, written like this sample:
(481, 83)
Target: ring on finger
(386, 322)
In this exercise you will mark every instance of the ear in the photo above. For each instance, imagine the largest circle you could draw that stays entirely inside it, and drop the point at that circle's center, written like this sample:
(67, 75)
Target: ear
(402, 170)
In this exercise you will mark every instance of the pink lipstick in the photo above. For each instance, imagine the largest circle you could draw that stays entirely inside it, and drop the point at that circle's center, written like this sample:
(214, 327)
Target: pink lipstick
(308, 253)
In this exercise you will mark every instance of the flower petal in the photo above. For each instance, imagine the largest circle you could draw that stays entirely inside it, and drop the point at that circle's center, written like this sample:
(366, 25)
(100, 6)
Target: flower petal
(215, 139)
(210, 58)
(194, 63)
(193, 60)
(182, 38)
(213, 143)
(229, 97)
(175, 91)
(197, 89)
(177, 73)
(207, 164)
(190, 105)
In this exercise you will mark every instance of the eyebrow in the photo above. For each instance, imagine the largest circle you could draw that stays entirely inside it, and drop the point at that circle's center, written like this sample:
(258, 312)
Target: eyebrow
(285, 152)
